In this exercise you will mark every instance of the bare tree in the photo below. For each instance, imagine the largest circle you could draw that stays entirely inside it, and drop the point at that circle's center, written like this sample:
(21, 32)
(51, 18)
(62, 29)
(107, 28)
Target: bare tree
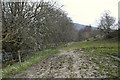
(106, 22)
(34, 26)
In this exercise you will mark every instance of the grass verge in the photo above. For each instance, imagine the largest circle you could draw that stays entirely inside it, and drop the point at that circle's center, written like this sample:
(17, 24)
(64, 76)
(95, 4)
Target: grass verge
(10, 71)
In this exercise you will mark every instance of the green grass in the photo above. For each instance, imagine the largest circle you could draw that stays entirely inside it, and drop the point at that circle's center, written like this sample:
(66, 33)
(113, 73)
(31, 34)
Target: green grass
(103, 49)
(98, 47)
(112, 74)
(9, 71)
(89, 44)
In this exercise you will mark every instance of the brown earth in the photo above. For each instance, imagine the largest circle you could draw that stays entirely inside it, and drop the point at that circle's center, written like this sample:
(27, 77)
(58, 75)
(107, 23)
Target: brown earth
(67, 64)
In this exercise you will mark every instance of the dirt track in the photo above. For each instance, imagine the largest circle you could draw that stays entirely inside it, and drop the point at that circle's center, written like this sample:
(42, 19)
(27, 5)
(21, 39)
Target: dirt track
(67, 64)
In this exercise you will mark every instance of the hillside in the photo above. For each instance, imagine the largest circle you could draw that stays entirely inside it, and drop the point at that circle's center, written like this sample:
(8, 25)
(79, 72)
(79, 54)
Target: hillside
(86, 59)
(81, 26)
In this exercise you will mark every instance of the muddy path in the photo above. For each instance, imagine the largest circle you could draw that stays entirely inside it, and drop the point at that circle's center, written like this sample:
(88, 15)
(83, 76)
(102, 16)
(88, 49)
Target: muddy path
(67, 64)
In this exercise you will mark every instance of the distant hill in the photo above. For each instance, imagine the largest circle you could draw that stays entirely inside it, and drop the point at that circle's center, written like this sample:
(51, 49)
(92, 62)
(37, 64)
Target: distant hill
(81, 26)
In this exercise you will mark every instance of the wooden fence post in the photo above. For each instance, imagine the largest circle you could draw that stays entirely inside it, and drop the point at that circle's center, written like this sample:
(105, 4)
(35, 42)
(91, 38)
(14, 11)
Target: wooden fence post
(19, 55)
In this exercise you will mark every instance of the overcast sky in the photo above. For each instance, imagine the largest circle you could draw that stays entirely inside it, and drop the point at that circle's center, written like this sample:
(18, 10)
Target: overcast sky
(88, 11)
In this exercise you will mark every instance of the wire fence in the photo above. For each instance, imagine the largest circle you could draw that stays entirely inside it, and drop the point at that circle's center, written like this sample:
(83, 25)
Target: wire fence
(10, 58)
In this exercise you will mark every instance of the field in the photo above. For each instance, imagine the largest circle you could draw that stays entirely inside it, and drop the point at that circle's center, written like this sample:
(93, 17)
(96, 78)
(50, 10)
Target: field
(104, 53)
